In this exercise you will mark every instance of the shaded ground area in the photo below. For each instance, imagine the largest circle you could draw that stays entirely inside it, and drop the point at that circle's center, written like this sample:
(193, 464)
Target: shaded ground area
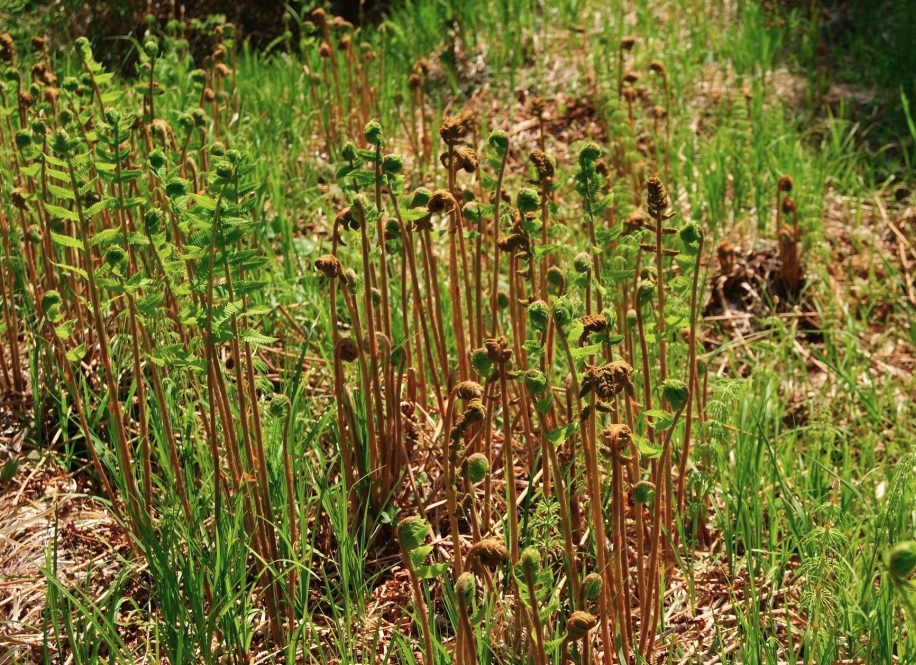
(107, 22)
(858, 54)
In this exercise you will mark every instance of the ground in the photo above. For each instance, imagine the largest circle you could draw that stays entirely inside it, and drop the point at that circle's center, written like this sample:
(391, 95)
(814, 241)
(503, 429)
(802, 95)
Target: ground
(802, 469)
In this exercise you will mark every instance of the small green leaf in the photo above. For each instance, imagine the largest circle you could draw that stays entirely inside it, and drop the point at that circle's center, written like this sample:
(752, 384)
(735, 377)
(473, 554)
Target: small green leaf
(130, 174)
(73, 269)
(545, 250)
(557, 436)
(554, 646)
(64, 330)
(687, 264)
(681, 284)
(604, 235)
(104, 237)
(532, 225)
(363, 178)
(645, 447)
(602, 204)
(148, 305)
(51, 159)
(249, 286)
(413, 214)
(66, 241)
(257, 310)
(98, 207)
(662, 419)
(614, 340)
(533, 346)
(586, 351)
(132, 202)
(617, 276)
(344, 171)
(61, 192)
(250, 336)
(204, 202)
(61, 213)
(543, 406)
(76, 354)
(574, 331)
(87, 187)
(419, 555)
(432, 571)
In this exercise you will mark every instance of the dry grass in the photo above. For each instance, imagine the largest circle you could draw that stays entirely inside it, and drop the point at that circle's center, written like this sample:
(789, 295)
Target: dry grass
(45, 511)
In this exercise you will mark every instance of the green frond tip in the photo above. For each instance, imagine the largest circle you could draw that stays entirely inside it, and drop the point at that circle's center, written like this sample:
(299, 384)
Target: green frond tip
(499, 141)
(373, 133)
(539, 315)
(412, 532)
(675, 393)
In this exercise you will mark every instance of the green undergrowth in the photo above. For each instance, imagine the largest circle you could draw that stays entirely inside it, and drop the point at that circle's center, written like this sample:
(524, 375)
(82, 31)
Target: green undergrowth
(194, 258)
